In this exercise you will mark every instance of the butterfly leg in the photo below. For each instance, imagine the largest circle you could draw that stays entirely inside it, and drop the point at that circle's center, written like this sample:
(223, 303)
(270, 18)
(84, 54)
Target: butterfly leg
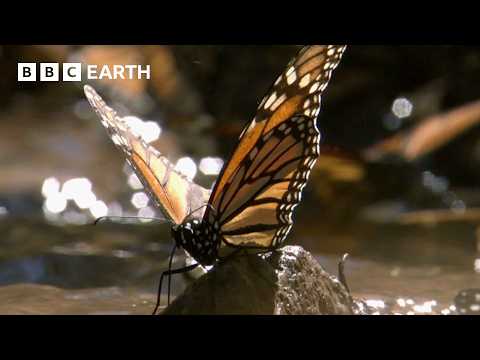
(170, 273)
(341, 272)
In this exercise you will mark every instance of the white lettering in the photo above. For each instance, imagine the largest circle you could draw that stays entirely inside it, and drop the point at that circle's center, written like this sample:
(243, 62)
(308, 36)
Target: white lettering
(27, 72)
(118, 71)
(72, 72)
(130, 69)
(146, 72)
(105, 73)
(49, 72)
(92, 72)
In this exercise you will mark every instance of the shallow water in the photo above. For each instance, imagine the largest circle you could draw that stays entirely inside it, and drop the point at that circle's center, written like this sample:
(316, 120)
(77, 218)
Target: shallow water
(114, 269)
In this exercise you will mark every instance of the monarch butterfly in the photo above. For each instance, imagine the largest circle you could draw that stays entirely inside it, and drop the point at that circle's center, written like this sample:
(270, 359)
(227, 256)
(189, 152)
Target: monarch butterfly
(253, 199)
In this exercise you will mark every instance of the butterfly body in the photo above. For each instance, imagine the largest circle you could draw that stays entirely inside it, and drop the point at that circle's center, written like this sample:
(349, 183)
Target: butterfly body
(200, 239)
(253, 200)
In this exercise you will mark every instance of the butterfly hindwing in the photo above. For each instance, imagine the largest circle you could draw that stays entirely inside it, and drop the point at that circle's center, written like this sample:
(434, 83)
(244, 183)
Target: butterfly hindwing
(258, 189)
(172, 192)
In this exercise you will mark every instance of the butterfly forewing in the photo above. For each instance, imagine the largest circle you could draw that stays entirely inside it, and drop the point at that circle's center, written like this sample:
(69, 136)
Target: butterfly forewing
(172, 192)
(258, 189)
(269, 188)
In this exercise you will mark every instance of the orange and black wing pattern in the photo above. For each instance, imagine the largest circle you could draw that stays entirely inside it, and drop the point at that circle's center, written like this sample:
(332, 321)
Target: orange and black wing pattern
(254, 197)
(175, 195)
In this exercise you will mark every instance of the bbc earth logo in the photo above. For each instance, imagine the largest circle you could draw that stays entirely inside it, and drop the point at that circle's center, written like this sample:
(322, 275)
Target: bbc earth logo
(50, 72)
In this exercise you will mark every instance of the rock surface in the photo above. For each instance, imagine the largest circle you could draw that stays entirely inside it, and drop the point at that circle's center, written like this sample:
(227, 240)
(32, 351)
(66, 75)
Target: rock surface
(288, 281)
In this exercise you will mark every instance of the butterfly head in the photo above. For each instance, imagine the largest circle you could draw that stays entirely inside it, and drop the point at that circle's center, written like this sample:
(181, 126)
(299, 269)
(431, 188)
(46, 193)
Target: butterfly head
(199, 239)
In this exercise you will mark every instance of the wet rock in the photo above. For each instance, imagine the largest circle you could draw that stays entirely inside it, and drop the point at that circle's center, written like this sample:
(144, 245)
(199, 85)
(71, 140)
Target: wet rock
(287, 281)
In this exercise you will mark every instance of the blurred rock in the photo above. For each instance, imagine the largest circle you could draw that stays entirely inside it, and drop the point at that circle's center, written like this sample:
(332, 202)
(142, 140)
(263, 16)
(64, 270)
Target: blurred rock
(286, 282)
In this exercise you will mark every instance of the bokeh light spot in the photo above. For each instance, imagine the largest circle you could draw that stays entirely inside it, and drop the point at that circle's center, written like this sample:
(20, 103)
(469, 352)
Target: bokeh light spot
(211, 165)
(145, 213)
(149, 131)
(402, 108)
(56, 203)
(50, 186)
(139, 200)
(98, 209)
(76, 187)
(476, 265)
(134, 182)
(187, 167)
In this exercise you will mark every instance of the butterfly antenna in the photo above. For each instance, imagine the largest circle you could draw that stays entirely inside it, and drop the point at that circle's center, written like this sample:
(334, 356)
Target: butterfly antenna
(206, 205)
(128, 217)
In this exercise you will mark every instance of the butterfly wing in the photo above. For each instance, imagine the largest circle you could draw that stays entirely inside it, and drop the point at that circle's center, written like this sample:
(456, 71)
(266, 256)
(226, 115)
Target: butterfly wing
(172, 192)
(260, 186)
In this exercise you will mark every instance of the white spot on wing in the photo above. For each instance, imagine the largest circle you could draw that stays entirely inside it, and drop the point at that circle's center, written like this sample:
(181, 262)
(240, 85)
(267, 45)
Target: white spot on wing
(304, 81)
(291, 78)
(279, 101)
(314, 88)
(270, 100)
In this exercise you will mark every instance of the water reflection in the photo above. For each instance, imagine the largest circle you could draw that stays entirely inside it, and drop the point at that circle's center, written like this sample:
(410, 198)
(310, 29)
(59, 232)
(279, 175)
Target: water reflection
(425, 308)
(98, 209)
(402, 306)
(50, 187)
(402, 108)
(74, 217)
(476, 265)
(187, 167)
(78, 190)
(145, 213)
(468, 302)
(211, 165)
(149, 131)
(436, 184)
(75, 202)
(375, 303)
(115, 209)
(56, 203)
(139, 200)
(74, 189)
(134, 182)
